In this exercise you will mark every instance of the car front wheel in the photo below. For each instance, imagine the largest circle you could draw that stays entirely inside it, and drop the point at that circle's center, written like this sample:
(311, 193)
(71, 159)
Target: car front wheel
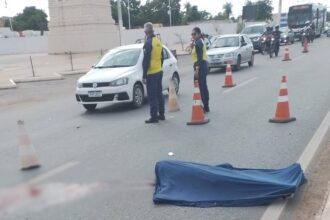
(237, 67)
(138, 95)
(251, 62)
(90, 107)
(176, 82)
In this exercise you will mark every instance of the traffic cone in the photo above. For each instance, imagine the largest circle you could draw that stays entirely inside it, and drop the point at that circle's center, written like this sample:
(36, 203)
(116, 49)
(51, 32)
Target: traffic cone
(197, 116)
(173, 105)
(27, 155)
(286, 54)
(228, 77)
(305, 46)
(282, 114)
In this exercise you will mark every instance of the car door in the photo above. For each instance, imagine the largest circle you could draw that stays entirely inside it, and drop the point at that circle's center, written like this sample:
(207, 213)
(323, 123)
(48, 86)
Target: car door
(167, 66)
(249, 47)
(243, 49)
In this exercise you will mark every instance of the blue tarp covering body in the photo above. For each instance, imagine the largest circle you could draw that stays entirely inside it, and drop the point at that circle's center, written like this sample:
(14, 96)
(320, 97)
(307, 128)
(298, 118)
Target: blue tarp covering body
(193, 184)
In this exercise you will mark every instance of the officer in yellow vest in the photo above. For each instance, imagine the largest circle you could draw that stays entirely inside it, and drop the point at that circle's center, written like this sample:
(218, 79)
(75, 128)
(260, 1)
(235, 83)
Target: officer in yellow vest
(153, 74)
(200, 65)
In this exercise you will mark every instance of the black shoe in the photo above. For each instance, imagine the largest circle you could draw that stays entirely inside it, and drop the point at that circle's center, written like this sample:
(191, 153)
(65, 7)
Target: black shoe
(151, 120)
(206, 109)
(161, 117)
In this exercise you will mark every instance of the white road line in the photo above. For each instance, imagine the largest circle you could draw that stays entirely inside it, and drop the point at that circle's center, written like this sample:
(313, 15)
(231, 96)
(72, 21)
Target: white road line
(52, 173)
(241, 84)
(274, 211)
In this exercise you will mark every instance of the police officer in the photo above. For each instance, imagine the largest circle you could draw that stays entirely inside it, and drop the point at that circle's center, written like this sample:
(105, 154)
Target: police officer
(277, 36)
(153, 74)
(200, 65)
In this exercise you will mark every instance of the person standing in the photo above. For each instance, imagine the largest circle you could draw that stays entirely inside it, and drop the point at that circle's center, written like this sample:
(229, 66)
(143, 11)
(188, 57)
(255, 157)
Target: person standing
(153, 74)
(200, 66)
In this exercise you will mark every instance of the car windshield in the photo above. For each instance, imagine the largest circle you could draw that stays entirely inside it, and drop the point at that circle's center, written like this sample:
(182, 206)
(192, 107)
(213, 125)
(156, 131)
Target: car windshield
(119, 58)
(226, 42)
(253, 30)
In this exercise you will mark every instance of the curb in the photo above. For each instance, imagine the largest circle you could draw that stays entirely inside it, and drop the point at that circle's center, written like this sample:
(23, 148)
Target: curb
(39, 79)
(74, 72)
(12, 86)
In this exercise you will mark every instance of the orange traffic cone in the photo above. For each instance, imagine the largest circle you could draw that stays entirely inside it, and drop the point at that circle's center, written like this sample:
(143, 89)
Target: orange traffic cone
(197, 116)
(27, 155)
(228, 77)
(173, 105)
(282, 114)
(305, 46)
(286, 54)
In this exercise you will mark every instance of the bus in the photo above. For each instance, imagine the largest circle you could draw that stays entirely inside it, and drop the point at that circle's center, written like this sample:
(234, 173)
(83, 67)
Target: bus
(300, 15)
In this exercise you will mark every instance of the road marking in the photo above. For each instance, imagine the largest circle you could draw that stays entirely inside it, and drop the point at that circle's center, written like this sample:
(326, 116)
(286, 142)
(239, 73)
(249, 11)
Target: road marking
(52, 173)
(274, 211)
(241, 84)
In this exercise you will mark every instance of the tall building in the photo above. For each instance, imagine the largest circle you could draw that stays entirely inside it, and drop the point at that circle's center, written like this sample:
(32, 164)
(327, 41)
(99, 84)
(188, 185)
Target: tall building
(81, 26)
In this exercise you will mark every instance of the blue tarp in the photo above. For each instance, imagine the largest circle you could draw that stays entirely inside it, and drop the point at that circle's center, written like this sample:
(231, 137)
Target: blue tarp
(193, 184)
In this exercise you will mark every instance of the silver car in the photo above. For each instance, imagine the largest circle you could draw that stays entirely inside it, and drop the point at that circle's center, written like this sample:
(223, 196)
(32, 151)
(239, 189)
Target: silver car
(236, 48)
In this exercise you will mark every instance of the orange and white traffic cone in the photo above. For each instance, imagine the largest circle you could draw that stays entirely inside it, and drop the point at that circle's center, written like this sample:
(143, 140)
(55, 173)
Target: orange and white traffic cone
(27, 155)
(228, 77)
(173, 105)
(197, 116)
(286, 54)
(305, 46)
(282, 114)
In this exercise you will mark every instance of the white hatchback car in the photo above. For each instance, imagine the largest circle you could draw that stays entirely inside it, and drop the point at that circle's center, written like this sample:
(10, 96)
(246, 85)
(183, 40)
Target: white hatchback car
(117, 77)
(236, 48)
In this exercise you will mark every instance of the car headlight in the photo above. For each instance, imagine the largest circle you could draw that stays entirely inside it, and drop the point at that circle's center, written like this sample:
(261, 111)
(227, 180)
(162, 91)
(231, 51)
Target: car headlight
(285, 36)
(119, 82)
(229, 55)
(79, 85)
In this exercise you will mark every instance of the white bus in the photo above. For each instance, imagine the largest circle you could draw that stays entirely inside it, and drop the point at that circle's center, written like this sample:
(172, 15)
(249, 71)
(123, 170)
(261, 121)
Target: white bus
(300, 15)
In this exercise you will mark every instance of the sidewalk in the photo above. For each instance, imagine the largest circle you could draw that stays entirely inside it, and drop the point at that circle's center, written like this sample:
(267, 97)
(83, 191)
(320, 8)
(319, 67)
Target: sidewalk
(45, 66)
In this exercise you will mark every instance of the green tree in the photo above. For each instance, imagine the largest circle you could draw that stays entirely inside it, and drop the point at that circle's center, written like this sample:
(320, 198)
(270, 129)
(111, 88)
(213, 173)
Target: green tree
(31, 19)
(134, 12)
(219, 16)
(193, 14)
(227, 9)
(264, 10)
(328, 16)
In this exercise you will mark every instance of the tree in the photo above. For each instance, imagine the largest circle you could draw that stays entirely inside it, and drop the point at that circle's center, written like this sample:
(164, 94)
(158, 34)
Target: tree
(219, 16)
(134, 12)
(31, 19)
(227, 9)
(193, 14)
(264, 10)
(328, 16)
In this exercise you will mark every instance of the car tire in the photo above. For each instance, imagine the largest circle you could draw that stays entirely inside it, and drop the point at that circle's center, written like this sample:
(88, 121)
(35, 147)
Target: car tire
(90, 107)
(237, 67)
(138, 95)
(251, 62)
(176, 82)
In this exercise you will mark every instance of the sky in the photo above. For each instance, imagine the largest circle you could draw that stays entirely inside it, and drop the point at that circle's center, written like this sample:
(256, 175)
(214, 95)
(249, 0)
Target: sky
(212, 6)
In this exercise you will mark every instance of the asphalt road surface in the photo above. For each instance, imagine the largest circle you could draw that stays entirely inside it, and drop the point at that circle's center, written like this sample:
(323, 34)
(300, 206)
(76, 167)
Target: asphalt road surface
(100, 165)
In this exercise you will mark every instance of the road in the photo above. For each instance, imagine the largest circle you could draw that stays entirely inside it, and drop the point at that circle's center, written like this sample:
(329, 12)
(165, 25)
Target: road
(114, 149)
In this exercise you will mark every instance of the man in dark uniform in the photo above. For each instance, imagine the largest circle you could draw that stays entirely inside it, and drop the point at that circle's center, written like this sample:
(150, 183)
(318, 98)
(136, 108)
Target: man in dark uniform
(277, 35)
(200, 65)
(153, 74)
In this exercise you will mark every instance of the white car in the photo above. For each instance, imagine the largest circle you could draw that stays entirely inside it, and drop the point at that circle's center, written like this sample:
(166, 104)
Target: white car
(117, 77)
(236, 48)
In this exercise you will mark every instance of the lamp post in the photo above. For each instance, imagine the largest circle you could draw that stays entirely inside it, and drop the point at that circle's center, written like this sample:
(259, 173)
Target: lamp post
(120, 19)
(129, 15)
(170, 11)
(279, 11)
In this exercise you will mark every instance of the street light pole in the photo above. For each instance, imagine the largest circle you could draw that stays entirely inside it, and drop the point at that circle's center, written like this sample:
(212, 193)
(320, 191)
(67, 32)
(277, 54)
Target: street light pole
(120, 19)
(170, 11)
(279, 11)
(129, 15)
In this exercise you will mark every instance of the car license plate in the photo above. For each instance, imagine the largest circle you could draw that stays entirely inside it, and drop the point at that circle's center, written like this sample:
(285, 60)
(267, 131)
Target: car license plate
(93, 94)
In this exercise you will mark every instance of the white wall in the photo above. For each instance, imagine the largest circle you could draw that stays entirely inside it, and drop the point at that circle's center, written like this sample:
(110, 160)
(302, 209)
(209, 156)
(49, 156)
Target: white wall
(171, 35)
(24, 45)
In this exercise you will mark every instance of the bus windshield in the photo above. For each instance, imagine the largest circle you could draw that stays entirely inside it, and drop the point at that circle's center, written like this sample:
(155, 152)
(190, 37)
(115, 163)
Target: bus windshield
(299, 17)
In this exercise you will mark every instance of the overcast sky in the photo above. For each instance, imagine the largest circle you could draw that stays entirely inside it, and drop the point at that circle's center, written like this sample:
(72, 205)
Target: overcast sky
(212, 6)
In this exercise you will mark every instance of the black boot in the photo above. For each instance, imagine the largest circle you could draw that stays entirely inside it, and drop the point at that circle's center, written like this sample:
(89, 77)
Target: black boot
(151, 120)
(161, 117)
